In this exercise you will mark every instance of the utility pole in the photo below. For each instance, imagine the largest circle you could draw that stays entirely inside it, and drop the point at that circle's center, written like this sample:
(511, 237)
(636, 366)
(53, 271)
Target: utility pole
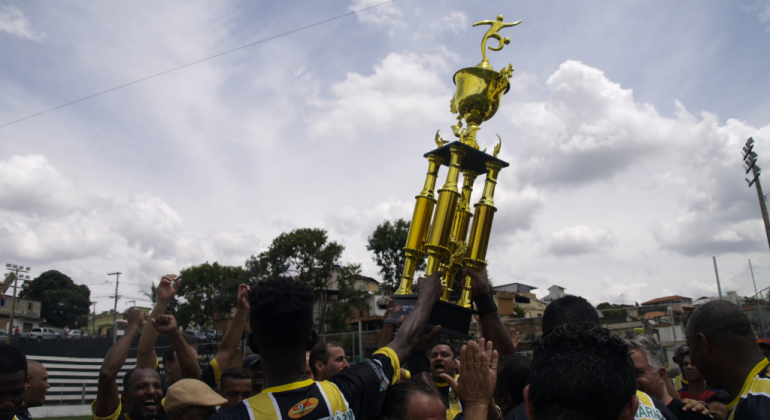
(750, 164)
(115, 308)
(93, 322)
(673, 325)
(17, 269)
(719, 286)
(756, 303)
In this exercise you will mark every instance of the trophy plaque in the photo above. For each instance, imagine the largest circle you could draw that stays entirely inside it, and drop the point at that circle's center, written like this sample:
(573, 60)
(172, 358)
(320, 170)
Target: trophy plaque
(439, 227)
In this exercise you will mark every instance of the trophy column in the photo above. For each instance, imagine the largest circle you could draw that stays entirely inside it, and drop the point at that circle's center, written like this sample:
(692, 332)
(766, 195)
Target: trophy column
(418, 229)
(480, 232)
(441, 229)
(459, 233)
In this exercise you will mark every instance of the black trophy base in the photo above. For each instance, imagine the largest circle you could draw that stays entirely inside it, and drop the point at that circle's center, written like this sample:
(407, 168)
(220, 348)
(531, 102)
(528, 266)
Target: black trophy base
(454, 320)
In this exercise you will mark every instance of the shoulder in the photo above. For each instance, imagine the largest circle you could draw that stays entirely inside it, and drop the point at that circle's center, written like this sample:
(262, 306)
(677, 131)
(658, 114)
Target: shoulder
(236, 412)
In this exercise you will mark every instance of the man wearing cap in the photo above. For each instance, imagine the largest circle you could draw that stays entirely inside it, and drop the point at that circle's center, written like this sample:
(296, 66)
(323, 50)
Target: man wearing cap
(764, 345)
(191, 399)
(680, 383)
(253, 364)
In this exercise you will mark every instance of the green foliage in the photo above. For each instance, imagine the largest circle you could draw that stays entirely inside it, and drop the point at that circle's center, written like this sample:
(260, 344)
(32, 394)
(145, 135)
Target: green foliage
(153, 294)
(607, 309)
(307, 254)
(209, 291)
(519, 311)
(387, 243)
(63, 302)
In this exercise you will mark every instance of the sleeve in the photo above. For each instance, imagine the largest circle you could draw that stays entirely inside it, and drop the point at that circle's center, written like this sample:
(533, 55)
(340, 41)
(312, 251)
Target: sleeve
(364, 384)
(238, 411)
(667, 414)
(112, 416)
(210, 374)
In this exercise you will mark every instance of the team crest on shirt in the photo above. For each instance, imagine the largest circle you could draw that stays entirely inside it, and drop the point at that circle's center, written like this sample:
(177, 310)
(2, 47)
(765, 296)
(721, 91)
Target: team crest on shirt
(303, 407)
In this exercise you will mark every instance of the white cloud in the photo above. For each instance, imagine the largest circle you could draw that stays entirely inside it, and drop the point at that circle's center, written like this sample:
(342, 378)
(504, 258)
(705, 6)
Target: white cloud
(455, 21)
(354, 221)
(579, 240)
(15, 22)
(234, 247)
(405, 89)
(386, 15)
(620, 292)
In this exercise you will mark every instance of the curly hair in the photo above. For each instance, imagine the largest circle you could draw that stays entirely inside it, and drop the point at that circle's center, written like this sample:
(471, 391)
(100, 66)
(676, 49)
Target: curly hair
(12, 360)
(281, 311)
(581, 372)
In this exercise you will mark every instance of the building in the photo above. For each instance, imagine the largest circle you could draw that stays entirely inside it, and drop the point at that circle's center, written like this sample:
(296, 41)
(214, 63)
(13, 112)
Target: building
(514, 287)
(506, 302)
(554, 292)
(102, 326)
(26, 316)
(676, 302)
(731, 296)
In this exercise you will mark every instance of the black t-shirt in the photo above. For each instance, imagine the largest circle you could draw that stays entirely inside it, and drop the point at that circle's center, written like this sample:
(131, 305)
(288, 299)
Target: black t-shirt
(677, 409)
(354, 393)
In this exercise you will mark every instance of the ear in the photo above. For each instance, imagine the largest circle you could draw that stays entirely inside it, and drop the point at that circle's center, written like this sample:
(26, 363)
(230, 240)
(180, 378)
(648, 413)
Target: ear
(663, 375)
(704, 344)
(629, 410)
(319, 367)
(252, 341)
(313, 340)
(528, 403)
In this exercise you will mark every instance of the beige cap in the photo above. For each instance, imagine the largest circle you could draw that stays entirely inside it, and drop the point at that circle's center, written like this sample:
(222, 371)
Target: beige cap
(191, 392)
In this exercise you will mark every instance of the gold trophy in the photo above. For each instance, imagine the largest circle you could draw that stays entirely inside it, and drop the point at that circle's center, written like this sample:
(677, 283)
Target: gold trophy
(443, 234)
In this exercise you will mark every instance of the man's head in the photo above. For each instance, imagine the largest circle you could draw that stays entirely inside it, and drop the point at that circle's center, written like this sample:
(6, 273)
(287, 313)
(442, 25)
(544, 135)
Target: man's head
(253, 364)
(681, 351)
(443, 359)
(512, 376)
(171, 365)
(649, 361)
(568, 310)
(581, 372)
(719, 335)
(191, 399)
(235, 386)
(691, 372)
(13, 381)
(142, 393)
(764, 345)
(718, 405)
(412, 400)
(327, 359)
(281, 317)
(37, 381)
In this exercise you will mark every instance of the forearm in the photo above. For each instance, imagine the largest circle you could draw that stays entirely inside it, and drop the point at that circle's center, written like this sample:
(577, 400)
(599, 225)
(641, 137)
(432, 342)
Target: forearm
(387, 335)
(411, 330)
(231, 339)
(493, 330)
(146, 353)
(188, 362)
(475, 411)
(107, 397)
(492, 412)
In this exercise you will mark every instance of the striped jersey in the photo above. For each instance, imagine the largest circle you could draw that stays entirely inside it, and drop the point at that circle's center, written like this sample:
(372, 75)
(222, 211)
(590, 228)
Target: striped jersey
(354, 393)
(754, 399)
(680, 383)
(455, 407)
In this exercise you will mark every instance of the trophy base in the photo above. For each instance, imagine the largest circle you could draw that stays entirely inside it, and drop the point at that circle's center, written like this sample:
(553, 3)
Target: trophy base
(454, 320)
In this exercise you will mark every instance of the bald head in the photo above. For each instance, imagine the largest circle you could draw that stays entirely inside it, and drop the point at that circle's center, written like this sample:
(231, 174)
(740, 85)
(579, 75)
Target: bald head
(37, 379)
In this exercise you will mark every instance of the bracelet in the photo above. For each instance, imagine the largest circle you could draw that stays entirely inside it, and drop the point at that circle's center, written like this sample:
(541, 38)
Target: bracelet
(484, 303)
(418, 363)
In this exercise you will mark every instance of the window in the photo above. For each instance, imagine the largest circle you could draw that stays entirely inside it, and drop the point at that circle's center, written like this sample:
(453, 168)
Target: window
(360, 314)
(539, 315)
(2, 302)
(29, 306)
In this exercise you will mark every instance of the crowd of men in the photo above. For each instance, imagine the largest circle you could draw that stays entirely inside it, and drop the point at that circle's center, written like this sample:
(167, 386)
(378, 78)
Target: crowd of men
(578, 369)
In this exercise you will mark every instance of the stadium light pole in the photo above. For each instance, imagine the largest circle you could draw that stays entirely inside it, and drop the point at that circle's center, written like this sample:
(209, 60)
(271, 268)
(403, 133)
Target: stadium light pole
(15, 269)
(750, 165)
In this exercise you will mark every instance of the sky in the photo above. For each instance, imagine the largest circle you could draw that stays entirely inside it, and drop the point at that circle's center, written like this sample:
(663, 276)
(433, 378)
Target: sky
(623, 128)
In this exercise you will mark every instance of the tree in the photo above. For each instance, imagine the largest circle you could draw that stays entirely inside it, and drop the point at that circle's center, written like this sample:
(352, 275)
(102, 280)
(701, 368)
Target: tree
(209, 291)
(308, 255)
(609, 310)
(519, 311)
(63, 303)
(387, 243)
(153, 294)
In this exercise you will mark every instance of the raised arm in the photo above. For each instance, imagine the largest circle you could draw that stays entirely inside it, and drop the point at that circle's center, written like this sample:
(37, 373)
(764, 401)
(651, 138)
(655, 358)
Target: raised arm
(188, 360)
(107, 397)
(491, 325)
(166, 290)
(234, 333)
(410, 332)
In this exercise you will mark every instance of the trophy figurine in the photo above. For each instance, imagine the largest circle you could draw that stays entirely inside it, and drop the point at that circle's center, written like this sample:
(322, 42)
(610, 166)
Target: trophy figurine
(439, 227)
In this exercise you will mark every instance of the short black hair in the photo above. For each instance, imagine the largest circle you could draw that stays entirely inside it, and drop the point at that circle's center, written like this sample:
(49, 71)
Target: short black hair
(581, 372)
(396, 403)
(723, 323)
(513, 376)
(12, 360)
(130, 372)
(235, 372)
(282, 311)
(448, 344)
(568, 310)
(169, 356)
(321, 352)
(721, 397)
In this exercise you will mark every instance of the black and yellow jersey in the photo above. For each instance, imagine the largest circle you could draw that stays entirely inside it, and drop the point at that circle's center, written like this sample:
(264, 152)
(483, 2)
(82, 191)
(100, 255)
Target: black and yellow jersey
(210, 374)
(354, 393)
(754, 399)
(680, 383)
(454, 404)
(119, 414)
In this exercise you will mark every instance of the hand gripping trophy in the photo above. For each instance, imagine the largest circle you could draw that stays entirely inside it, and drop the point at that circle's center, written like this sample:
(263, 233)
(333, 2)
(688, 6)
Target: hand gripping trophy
(443, 234)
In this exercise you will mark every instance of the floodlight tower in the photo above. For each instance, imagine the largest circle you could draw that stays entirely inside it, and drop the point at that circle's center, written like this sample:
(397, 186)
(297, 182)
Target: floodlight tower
(750, 165)
(15, 269)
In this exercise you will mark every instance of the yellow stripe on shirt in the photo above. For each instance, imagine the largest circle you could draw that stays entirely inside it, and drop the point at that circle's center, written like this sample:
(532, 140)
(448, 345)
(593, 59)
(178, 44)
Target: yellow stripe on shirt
(387, 351)
(745, 389)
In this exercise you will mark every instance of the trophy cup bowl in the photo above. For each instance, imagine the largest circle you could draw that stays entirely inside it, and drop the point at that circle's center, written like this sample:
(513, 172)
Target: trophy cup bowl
(477, 96)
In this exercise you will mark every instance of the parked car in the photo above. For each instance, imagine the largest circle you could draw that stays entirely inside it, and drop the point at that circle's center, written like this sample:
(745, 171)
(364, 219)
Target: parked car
(3, 337)
(211, 334)
(198, 335)
(76, 335)
(40, 334)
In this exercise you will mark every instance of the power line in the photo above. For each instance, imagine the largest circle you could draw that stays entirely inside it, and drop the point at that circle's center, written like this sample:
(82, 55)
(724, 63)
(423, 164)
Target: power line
(198, 61)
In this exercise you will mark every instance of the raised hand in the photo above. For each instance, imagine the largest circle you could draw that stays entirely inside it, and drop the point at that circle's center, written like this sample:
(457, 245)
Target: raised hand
(478, 370)
(427, 339)
(165, 324)
(480, 283)
(430, 287)
(168, 288)
(135, 317)
(515, 337)
(243, 297)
